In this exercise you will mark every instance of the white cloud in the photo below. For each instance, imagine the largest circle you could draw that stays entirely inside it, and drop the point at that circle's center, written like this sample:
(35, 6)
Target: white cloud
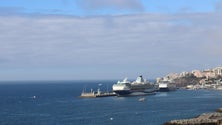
(154, 43)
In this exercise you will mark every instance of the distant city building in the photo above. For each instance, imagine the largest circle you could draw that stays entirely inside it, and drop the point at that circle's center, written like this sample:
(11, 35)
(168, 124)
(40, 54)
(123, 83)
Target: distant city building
(197, 79)
(209, 73)
(198, 73)
(172, 76)
(202, 81)
(158, 79)
(217, 70)
(183, 74)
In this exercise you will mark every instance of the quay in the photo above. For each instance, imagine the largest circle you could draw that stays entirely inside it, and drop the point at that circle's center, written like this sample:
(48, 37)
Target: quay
(95, 94)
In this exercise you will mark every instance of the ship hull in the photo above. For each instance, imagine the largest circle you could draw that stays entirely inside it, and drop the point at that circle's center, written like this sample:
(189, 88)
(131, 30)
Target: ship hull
(142, 91)
(122, 92)
(164, 90)
(167, 89)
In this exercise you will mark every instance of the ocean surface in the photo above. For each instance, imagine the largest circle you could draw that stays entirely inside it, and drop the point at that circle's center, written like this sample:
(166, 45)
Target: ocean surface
(58, 103)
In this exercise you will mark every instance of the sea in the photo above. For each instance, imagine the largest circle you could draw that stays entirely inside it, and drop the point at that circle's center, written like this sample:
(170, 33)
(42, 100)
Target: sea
(58, 103)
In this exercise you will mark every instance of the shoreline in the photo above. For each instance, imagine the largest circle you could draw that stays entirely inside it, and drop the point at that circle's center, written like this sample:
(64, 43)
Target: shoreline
(213, 118)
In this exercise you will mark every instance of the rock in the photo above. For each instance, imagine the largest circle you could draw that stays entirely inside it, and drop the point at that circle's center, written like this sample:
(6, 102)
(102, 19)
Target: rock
(219, 110)
(204, 119)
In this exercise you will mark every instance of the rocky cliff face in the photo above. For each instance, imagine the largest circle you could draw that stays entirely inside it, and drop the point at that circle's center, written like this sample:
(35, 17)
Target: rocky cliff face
(204, 119)
(192, 80)
(184, 81)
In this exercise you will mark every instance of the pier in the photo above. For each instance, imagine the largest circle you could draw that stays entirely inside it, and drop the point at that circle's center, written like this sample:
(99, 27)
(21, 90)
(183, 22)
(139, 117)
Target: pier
(95, 94)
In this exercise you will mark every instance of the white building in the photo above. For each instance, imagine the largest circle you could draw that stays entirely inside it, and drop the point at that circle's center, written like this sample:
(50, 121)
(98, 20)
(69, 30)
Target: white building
(218, 70)
(183, 74)
(209, 73)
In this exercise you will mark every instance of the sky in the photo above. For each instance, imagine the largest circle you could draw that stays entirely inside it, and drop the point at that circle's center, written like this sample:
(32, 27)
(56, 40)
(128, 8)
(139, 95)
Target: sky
(107, 39)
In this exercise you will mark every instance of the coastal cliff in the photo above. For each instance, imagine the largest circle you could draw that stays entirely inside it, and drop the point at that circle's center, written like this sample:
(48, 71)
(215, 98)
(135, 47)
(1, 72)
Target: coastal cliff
(203, 81)
(185, 81)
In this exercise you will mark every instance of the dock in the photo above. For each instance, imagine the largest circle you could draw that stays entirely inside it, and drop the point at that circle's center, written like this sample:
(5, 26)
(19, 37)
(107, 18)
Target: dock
(95, 94)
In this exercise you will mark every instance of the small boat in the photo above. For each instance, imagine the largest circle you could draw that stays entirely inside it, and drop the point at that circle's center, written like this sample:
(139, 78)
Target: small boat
(142, 99)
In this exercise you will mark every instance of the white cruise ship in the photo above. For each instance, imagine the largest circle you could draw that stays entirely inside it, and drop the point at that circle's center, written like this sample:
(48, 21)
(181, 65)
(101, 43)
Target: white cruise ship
(139, 86)
(122, 87)
(165, 86)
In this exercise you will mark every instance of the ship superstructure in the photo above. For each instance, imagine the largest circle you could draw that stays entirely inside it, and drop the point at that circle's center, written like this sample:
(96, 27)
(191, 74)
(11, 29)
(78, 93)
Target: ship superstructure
(165, 86)
(138, 86)
(122, 87)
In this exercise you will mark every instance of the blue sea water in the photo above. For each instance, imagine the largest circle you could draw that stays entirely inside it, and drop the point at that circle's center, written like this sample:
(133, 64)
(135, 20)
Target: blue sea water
(58, 103)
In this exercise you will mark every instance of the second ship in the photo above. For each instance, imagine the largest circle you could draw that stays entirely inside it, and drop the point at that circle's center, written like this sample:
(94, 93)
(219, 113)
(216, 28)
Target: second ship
(137, 87)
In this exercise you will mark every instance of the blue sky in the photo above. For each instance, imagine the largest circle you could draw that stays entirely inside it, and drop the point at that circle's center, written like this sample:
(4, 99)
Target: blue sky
(89, 7)
(93, 39)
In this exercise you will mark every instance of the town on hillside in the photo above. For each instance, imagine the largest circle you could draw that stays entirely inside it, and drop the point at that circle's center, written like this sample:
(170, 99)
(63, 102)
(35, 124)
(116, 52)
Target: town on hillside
(196, 79)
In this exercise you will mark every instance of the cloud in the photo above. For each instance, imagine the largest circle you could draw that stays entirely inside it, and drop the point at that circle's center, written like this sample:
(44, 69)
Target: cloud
(218, 6)
(114, 45)
(90, 5)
